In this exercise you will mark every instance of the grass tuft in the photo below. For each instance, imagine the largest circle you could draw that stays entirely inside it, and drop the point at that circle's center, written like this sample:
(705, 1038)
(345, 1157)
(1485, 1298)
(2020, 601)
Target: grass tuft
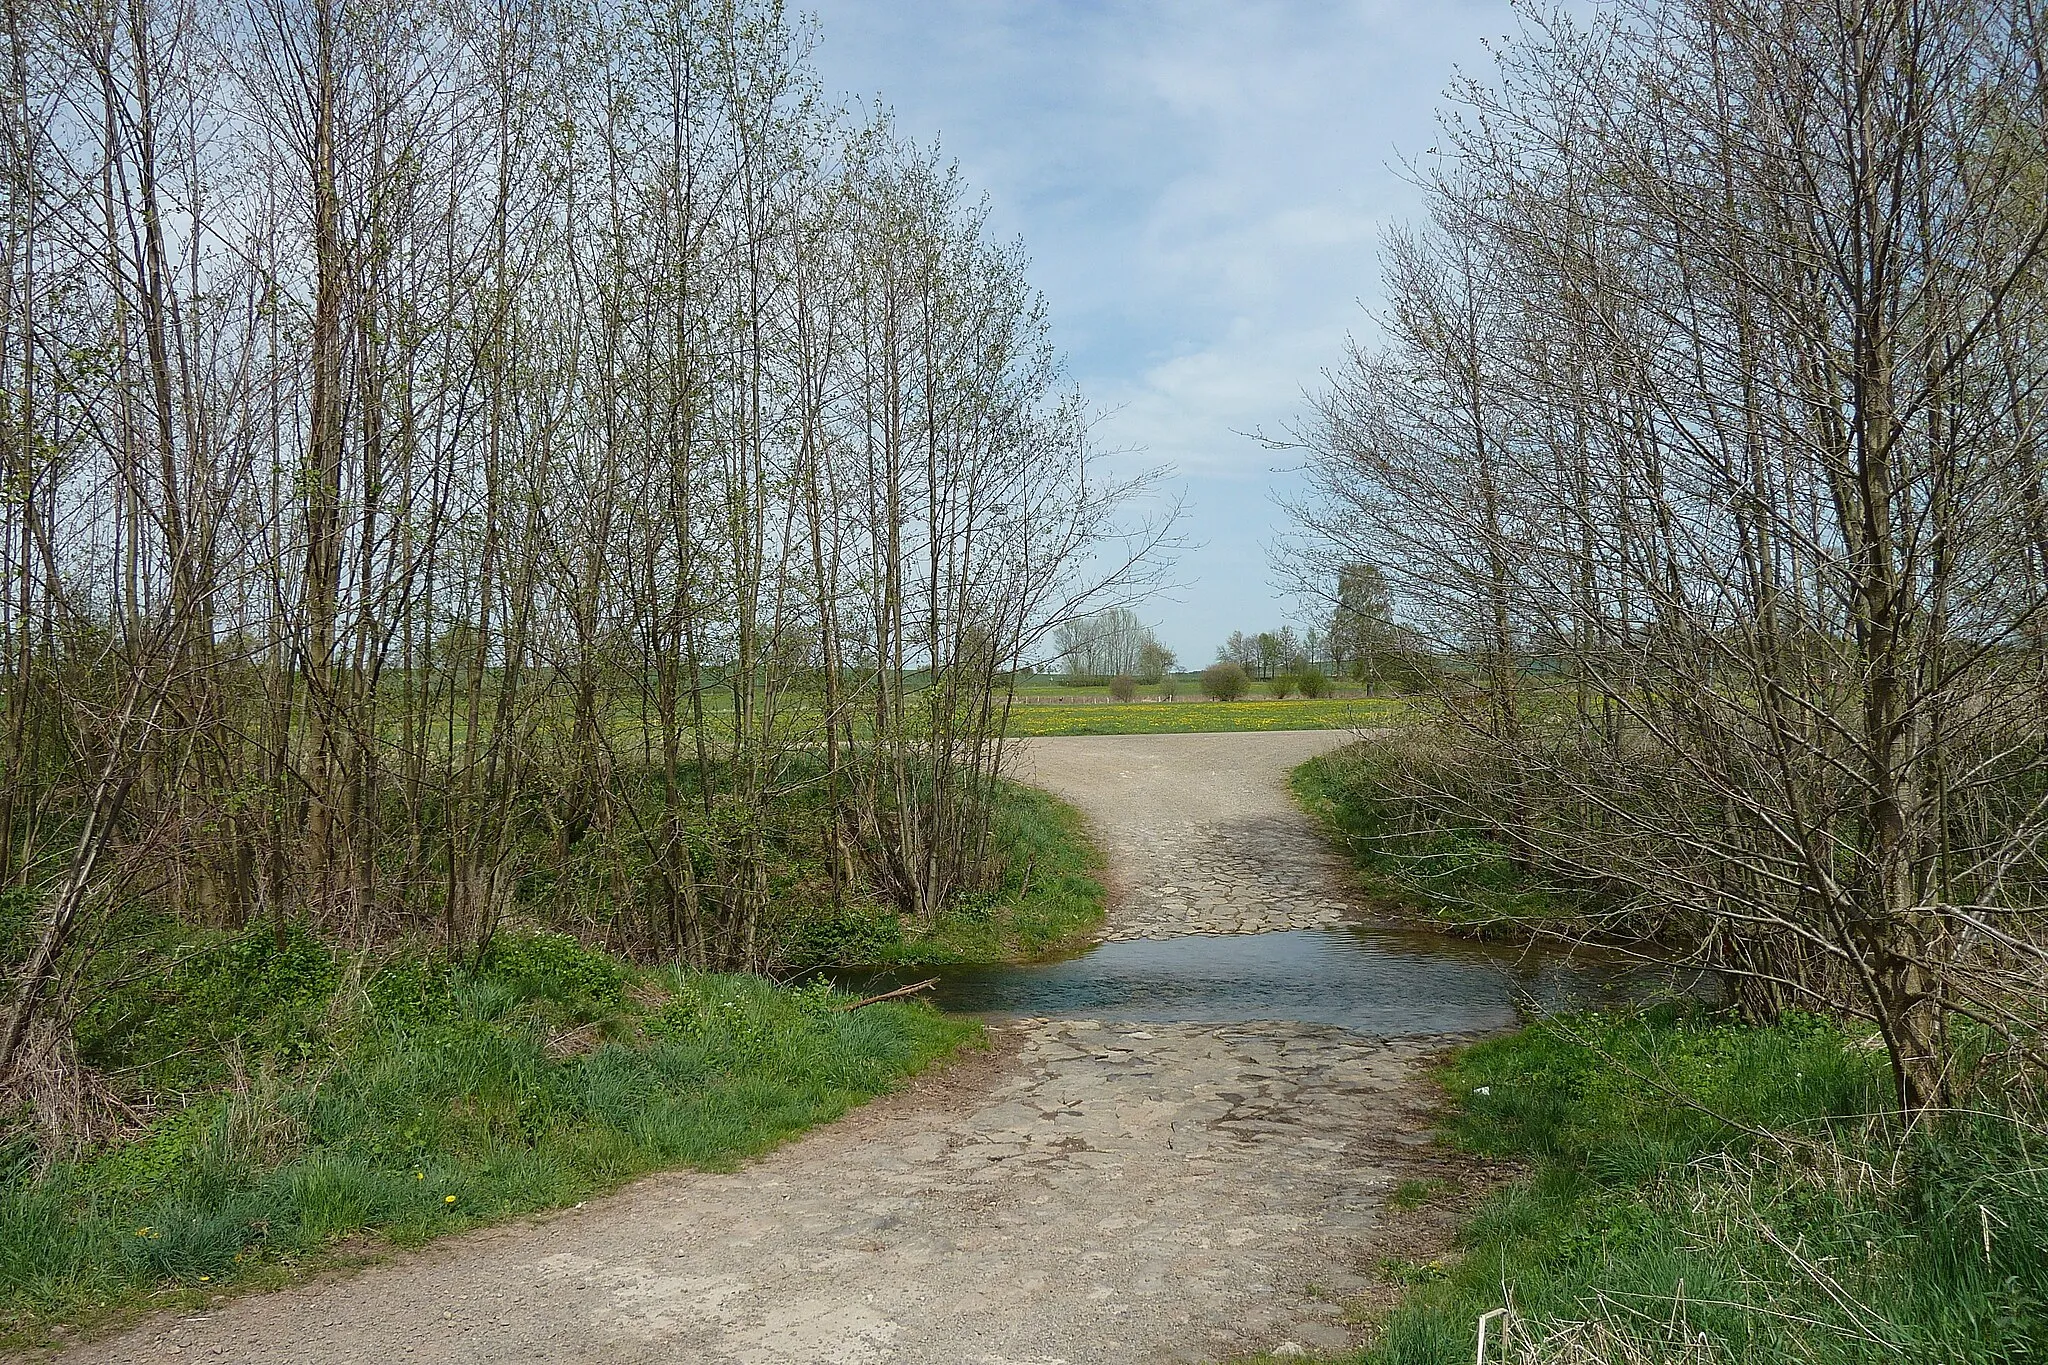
(427, 1100)
(1704, 1190)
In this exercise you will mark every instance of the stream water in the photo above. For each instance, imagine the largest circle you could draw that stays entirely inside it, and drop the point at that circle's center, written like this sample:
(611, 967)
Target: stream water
(1371, 980)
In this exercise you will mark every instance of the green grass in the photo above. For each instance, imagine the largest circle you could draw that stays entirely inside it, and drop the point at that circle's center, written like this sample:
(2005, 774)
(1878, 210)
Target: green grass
(1189, 717)
(1702, 1190)
(1050, 901)
(1698, 1189)
(297, 1101)
(1187, 688)
(1457, 876)
(303, 1097)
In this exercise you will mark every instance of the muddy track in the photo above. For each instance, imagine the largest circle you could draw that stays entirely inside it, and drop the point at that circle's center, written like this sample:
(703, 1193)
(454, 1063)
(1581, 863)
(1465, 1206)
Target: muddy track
(1088, 1191)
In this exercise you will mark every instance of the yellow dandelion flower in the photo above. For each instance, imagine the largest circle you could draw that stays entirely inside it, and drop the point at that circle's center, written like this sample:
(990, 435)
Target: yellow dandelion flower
(142, 1232)
(204, 1278)
(449, 1200)
(419, 1175)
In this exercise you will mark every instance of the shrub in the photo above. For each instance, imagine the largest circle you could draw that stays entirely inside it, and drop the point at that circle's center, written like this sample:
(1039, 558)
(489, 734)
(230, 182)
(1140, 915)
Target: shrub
(1313, 683)
(1659, 1170)
(1225, 681)
(1282, 686)
(1123, 687)
(557, 968)
(1167, 687)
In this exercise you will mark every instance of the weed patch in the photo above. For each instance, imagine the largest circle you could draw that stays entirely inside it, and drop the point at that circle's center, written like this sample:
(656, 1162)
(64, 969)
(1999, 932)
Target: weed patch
(1705, 1190)
(430, 1098)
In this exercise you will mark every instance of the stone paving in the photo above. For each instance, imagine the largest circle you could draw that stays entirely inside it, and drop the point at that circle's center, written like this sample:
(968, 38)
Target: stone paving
(1107, 1193)
(1201, 832)
(1086, 1192)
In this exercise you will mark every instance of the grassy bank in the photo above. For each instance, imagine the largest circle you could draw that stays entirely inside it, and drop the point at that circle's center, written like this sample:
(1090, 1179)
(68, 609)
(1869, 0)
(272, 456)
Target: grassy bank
(1413, 865)
(290, 1099)
(1050, 900)
(1190, 717)
(1701, 1191)
(1692, 1188)
(280, 1104)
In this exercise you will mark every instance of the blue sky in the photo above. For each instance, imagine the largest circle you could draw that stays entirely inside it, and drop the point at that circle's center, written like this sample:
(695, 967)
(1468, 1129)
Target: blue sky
(1202, 186)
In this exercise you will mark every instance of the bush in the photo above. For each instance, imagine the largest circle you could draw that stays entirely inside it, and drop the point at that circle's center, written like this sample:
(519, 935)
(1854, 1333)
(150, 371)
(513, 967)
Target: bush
(1401, 803)
(463, 1104)
(1167, 687)
(1282, 686)
(1687, 1177)
(1225, 682)
(1313, 684)
(1123, 687)
(559, 969)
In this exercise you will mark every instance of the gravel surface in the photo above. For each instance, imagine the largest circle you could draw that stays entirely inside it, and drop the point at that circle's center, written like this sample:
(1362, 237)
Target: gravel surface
(1086, 1191)
(1201, 832)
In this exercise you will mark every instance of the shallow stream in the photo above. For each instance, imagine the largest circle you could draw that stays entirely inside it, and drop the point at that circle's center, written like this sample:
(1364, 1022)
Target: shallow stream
(1376, 981)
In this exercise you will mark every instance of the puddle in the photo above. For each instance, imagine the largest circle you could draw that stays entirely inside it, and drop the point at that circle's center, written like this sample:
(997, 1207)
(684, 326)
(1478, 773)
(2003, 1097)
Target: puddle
(1378, 982)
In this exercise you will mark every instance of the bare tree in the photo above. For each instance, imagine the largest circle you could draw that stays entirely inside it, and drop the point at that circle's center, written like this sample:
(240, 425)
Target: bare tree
(1704, 409)
(467, 461)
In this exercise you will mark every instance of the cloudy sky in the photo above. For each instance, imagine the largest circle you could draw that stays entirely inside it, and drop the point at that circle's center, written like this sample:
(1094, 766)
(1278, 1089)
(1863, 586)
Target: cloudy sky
(1203, 185)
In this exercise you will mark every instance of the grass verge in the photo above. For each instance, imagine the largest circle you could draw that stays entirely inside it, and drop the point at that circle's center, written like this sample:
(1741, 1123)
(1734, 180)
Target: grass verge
(1696, 1189)
(1050, 901)
(1705, 1191)
(1410, 862)
(1174, 718)
(303, 1097)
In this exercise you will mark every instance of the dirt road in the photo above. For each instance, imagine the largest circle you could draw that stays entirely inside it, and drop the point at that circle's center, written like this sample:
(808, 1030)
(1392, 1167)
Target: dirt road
(1088, 1192)
(1201, 833)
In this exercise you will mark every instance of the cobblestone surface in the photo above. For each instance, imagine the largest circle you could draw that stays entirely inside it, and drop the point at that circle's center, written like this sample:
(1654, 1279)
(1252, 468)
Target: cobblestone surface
(1201, 832)
(1087, 1192)
(1105, 1194)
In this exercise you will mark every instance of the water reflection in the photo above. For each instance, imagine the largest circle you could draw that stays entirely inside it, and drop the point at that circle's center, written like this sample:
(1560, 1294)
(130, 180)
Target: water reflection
(1372, 981)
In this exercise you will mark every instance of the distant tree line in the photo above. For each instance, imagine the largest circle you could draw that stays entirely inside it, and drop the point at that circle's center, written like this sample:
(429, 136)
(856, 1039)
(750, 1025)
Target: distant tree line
(1707, 440)
(1113, 643)
(1268, 652)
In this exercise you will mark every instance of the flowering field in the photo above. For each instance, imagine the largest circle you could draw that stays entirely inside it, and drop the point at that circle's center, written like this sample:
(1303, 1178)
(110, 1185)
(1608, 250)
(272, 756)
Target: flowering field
(1185, 717)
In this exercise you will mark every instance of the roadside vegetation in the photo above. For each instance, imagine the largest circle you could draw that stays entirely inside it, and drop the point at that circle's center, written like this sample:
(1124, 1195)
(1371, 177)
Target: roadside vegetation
(1431, 860)
(523, 538)
(1699, 1190)
(1753, 654)
(543, 580)
(1047, 900)
(1701, 458)
(289, 1105)
(1187, 717)
(266, 1101)
(1694, 1185)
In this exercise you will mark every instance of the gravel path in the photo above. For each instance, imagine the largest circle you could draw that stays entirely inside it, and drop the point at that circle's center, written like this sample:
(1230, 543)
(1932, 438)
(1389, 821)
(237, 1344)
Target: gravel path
(1201, 833)
(1084, 1192)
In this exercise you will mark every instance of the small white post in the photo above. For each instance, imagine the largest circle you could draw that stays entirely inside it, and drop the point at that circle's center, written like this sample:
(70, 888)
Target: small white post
(1485, 1321)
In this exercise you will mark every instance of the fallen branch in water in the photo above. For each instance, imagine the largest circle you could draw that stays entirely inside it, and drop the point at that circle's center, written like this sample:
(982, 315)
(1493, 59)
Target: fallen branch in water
(899, 992)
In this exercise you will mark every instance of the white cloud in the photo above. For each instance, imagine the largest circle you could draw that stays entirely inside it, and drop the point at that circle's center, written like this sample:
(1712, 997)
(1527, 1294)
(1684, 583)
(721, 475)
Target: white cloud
(1202, 185)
